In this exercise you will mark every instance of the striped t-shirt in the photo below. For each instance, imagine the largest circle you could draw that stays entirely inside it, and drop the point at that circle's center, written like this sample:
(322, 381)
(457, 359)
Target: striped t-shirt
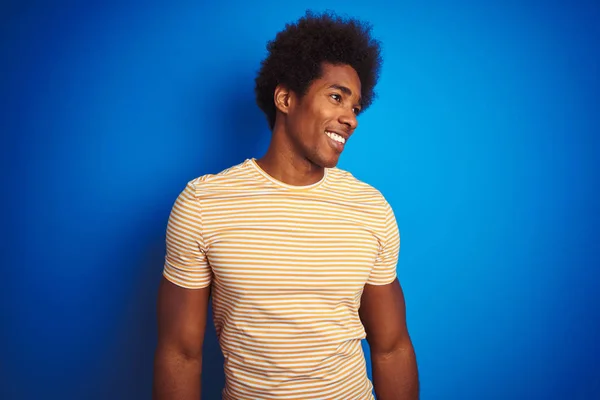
(287, 265)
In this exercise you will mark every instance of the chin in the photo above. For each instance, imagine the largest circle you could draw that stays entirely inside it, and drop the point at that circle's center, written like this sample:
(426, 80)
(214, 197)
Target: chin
(325, 160)
(330, 162)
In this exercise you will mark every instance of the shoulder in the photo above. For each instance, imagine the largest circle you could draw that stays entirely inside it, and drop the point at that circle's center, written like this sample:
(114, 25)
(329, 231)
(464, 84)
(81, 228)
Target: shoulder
(347, 183)
(233, 177)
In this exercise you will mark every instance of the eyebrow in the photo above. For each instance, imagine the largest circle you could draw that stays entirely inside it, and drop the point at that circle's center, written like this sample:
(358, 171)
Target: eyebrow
(344, 90)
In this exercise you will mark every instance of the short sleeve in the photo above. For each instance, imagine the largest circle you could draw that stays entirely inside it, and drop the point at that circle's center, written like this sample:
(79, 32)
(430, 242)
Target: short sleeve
(384, 270)
(186, 263)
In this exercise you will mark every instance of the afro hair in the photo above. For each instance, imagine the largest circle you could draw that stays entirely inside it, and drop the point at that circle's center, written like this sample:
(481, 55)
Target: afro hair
(296, 55)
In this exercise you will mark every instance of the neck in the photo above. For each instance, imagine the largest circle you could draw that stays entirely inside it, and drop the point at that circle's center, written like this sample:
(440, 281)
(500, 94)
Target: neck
(284, 162)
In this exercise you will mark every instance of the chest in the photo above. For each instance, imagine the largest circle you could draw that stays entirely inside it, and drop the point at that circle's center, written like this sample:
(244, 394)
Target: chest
(290, 246)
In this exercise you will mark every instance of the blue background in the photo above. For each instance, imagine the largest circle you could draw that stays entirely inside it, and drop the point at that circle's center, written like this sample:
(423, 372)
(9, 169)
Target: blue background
(484, 139)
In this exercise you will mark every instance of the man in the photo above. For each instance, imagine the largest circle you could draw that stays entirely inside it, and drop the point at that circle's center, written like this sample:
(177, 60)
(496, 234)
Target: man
(300, 255)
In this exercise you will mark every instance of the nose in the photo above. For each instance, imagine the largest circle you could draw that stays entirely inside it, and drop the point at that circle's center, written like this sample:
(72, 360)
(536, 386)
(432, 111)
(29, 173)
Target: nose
(348, 118)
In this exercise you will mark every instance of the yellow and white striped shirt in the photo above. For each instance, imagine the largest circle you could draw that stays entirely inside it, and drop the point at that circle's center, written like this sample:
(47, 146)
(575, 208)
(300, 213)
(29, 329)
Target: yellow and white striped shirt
(287, 265)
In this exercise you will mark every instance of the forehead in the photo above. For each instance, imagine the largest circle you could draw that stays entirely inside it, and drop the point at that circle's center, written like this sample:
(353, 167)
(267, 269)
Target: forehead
(342, 75)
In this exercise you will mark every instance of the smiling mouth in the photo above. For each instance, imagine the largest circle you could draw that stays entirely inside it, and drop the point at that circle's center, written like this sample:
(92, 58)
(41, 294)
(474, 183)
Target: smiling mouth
(336, 137)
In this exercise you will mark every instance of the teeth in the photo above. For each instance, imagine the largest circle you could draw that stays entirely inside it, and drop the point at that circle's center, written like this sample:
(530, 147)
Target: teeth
(335, 137)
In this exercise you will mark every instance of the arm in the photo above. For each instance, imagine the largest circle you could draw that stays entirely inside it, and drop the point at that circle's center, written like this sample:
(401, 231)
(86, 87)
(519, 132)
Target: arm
(182, 303)
(181, 325)
(393, 360)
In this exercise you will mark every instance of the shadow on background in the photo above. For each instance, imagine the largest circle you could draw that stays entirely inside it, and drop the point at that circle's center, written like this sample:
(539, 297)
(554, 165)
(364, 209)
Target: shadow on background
(242, 135)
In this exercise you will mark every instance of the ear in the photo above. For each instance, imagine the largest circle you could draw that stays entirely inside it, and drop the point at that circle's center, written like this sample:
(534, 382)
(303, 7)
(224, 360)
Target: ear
(282, 98)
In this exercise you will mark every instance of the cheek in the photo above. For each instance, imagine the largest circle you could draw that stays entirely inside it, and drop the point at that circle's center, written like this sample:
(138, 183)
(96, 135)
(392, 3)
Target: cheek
(322, 115)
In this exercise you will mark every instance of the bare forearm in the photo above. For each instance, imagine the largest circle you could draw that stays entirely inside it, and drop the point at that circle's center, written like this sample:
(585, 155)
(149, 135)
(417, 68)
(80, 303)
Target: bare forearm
(176, 376)
(395, 375)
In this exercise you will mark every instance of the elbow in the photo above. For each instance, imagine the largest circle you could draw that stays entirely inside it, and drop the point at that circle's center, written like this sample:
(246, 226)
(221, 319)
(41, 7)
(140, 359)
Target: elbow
(177, 352)
(390, 349)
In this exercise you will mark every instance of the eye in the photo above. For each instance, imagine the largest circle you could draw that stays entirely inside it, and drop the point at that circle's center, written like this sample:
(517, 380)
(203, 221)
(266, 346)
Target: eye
(356, 110)
(336, 97)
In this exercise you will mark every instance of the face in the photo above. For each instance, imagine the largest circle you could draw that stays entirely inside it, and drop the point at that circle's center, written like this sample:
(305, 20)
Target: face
(320, 123)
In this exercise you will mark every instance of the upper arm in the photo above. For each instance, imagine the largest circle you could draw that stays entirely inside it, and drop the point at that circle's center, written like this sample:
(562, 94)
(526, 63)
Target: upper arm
(181, 316)
(383, 314)
(382, 309)
(388, 236)
(185, 287)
